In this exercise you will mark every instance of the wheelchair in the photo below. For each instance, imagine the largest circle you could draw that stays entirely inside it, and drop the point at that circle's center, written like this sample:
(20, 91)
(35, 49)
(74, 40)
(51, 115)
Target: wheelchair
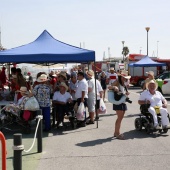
(145, 120)
(69, 114)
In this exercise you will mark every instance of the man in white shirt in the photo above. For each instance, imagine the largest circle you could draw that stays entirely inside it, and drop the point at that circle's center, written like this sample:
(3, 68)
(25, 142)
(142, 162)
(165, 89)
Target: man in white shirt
(155, 99)
(81, 93)
(60, 100)
(112, 76)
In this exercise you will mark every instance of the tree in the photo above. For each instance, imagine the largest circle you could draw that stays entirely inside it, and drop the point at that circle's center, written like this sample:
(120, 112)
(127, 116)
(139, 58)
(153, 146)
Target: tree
(125, 52)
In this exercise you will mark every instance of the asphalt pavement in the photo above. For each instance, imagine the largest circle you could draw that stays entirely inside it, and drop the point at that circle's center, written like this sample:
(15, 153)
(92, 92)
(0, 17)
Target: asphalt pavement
(89, 147)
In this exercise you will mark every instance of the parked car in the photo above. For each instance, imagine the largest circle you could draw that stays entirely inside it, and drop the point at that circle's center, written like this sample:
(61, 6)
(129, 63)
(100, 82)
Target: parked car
(163, 81)
(166, 86)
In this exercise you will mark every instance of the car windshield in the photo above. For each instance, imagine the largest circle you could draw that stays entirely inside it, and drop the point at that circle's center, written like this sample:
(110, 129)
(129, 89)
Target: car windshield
(163, 76)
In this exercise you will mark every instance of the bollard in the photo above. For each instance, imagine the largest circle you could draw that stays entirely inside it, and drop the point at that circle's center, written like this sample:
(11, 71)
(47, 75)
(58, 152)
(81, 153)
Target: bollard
(18, 148)
(39, 133)
(3, 141)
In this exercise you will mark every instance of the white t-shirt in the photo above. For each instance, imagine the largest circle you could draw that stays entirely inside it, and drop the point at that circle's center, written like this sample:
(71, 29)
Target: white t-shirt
(99, 89)
(112, 77)
(91, 84)
(62, 97)
(155, 100)
(81, 86)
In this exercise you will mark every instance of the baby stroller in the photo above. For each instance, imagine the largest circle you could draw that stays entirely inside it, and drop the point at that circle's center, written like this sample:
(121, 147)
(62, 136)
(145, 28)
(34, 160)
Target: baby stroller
(146, 120)
(9, 119)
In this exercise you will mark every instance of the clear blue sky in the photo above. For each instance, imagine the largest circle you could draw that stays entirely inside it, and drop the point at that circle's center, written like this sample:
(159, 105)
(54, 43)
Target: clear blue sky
(96, 24)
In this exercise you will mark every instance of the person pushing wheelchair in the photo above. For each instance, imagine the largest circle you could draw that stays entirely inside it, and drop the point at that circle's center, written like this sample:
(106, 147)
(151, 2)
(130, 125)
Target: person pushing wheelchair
(157, 102)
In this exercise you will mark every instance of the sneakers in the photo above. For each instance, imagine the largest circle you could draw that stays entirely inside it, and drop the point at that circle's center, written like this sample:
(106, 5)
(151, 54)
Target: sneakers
(90, 122)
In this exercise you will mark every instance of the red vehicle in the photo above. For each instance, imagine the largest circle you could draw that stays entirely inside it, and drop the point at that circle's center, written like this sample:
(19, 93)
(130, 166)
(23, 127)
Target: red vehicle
(138, 74)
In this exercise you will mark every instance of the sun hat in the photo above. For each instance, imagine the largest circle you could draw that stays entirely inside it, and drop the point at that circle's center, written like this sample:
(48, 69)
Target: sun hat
(63, 74)
(42, 78)
(112, 69)
(152, 81)
(63, 85)
(86, 68)
(90, 73)
(150, 73)
(23, 89)
(54, 75)
(124, 74)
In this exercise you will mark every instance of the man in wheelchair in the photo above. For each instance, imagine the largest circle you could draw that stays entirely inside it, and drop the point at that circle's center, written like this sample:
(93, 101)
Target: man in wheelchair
(61, 100)
(158, 104)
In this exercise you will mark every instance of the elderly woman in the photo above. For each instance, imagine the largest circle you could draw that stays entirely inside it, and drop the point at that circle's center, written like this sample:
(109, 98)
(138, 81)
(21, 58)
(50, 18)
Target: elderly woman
(60, 99)
(16, 107)
(120, 85)
(42, 93)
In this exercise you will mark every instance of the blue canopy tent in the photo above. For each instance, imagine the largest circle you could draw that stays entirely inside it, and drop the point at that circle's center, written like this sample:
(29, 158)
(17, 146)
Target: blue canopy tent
(46, 49)
(146, 62)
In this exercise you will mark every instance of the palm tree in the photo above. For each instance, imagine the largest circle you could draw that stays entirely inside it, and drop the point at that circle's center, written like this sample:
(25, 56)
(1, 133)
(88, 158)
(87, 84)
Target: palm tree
(125, 52)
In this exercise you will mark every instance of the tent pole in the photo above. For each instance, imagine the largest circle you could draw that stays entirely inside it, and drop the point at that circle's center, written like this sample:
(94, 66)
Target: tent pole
(95, 91)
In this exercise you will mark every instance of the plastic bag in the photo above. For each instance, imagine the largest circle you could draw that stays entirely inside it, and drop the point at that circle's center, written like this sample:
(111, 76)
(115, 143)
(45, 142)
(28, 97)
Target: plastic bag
(81, 112)
(32, 104)
(102, 108)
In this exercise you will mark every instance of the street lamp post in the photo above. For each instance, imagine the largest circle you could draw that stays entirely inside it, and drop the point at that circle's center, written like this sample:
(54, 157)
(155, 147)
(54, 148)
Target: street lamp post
(147, 29)
(157, 48)
(123, 42)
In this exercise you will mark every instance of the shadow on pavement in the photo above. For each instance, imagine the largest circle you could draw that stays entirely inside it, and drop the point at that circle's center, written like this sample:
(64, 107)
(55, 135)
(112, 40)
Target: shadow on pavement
(94, 142)
(132, 115)
(134, 134)
(106, 115)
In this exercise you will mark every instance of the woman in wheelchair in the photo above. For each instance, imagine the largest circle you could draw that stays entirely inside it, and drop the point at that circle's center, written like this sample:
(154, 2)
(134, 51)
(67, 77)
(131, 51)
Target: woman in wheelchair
(15, 108)
(157, 104)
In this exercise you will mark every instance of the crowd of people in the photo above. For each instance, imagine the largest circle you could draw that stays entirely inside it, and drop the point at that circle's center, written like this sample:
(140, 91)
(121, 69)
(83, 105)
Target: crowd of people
(62, 89)
(80, 86)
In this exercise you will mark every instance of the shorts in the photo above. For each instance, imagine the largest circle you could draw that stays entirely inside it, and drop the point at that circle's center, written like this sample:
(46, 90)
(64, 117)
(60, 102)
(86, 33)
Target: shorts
(91, 105)
(122, 107)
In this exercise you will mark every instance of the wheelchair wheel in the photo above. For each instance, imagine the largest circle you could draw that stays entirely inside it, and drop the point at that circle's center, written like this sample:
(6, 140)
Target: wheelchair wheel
(165, 130)
(138, 124)
(148, 129)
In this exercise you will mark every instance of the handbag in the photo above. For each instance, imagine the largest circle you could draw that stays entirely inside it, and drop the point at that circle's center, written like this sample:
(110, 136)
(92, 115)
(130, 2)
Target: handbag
(32, 104)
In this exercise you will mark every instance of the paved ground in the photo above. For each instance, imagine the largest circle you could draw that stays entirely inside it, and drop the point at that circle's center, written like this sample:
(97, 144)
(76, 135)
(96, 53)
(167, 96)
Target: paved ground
(90, 148)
